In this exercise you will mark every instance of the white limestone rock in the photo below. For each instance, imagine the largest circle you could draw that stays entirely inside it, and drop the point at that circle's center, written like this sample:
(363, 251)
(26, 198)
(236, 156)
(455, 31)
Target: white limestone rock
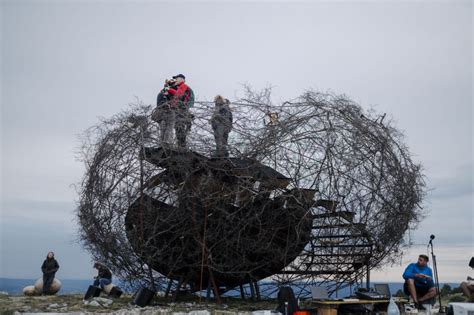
(30, 291)
(53, 289)
(103, 301)
(93, 303)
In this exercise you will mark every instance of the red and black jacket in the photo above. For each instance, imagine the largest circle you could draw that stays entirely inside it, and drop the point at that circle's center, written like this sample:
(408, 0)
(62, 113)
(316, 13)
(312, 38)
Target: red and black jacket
(180, 95)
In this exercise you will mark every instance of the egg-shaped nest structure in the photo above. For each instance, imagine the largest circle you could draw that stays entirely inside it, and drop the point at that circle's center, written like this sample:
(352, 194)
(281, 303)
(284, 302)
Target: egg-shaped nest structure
(313, 190)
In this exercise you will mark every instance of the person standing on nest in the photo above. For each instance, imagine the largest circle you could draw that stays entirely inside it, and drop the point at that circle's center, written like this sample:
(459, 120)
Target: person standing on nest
(221, 122)
(182, 100)
(164, 114)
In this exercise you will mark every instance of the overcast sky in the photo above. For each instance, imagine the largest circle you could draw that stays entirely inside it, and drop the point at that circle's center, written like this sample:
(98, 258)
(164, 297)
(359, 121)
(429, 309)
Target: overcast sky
(66, 63)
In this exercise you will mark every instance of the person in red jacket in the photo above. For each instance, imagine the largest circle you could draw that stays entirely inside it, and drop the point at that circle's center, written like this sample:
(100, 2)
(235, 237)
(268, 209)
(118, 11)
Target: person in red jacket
(180, 97)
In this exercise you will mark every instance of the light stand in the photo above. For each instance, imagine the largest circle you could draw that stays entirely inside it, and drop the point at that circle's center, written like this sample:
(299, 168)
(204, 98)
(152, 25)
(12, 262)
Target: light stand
(442, 309)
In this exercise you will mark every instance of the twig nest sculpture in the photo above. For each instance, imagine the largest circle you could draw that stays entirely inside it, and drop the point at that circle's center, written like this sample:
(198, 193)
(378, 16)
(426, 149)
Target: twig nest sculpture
(314, 189)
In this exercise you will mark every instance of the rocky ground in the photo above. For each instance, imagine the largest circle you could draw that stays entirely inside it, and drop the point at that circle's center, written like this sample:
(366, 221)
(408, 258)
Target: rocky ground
(74, 304)
(12, 304)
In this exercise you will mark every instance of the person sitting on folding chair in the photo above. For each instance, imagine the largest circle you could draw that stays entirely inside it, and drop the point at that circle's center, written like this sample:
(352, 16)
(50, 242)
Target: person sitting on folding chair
(419, 282)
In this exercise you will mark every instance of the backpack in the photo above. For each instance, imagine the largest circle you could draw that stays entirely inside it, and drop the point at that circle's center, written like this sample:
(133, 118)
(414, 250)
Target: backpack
(287, 303)
(185, 103)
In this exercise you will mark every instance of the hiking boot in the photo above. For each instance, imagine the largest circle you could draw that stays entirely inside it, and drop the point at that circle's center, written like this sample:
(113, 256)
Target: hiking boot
(410, 307)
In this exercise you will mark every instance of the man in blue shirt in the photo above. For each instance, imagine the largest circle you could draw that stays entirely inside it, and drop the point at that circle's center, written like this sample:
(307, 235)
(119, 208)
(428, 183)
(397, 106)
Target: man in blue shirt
(419, 281)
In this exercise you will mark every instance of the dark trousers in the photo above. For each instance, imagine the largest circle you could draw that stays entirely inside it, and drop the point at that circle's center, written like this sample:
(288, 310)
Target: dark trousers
(102, 282)
(182, 127)
(420, 291)
(47, 281)
(221, 135)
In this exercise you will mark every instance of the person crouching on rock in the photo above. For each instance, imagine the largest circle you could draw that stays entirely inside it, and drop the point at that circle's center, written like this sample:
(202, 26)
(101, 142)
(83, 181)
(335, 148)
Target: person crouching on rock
(104, 276)
(49, 268)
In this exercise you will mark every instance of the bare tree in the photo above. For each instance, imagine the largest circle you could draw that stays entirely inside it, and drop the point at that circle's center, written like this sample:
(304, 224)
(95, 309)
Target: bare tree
(316, 189)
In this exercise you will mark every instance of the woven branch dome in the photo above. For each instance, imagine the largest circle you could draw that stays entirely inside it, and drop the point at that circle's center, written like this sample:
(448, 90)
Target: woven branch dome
(313, 190)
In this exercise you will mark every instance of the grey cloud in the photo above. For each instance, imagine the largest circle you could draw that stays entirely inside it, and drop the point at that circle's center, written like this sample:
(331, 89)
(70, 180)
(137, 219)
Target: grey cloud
(31, 228)
(457, 185)
(66, 63)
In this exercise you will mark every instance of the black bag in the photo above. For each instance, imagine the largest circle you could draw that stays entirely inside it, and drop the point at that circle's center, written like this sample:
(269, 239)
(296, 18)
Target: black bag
(143, 297)
(352, 309)
(287, 296)
(116, 292)
(92, 291)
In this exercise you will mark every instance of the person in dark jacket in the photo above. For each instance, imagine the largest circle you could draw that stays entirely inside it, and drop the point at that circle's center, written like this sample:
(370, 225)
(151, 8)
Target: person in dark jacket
(164, 114)
(221, 122)
(49, 268)
(104, 276)
(181, 94)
